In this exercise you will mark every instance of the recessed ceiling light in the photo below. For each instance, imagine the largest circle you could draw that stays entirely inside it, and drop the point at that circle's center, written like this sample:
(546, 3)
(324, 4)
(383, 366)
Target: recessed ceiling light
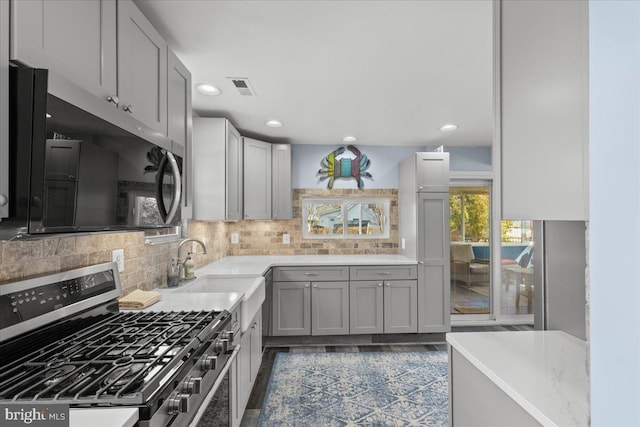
(448, 127)
(274, 124)
(349, 138)
(47, 115)
(208, 89)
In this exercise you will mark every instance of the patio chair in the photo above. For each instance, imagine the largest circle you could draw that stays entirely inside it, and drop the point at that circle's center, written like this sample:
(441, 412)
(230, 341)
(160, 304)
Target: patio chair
(465, 268)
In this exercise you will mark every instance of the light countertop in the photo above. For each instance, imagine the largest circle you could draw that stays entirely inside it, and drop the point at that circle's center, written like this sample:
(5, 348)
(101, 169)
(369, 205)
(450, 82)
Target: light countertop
(259, 265)
(103, 417)
(543, 371)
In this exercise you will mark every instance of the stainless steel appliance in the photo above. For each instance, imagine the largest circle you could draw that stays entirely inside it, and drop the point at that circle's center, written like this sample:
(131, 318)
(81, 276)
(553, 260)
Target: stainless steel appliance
(64, 341)
(71, 171)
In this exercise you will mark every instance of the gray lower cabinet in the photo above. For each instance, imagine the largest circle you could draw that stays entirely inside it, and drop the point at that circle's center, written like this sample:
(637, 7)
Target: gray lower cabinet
(245, 368)
(384, 307)
(400, 306)
(433, 267)
(291, 308)
(330, 308)
(366, 302)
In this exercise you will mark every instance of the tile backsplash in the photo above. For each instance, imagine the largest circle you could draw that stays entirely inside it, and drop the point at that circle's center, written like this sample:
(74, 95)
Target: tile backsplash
(146, 265)
(265, 237)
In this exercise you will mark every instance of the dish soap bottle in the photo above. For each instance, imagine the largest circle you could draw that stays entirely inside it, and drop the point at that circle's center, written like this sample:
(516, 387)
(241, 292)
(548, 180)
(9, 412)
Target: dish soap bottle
(189, 267)
(173, 273)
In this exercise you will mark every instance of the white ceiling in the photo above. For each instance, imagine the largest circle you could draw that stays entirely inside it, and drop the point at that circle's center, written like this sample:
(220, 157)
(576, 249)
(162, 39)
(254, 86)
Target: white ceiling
(387, 72)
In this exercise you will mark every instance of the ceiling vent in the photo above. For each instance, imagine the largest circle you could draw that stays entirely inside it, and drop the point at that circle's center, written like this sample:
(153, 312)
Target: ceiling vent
(243, 86)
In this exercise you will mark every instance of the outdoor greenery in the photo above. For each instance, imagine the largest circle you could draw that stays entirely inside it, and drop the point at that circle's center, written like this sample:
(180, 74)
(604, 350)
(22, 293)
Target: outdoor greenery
(473, 209)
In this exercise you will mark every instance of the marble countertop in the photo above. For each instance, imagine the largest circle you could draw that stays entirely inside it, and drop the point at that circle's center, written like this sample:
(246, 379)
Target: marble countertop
(543, 371)
(258, 265)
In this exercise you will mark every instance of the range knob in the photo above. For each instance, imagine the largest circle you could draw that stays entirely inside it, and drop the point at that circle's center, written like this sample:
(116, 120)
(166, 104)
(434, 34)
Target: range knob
(228, 335)
(178, 403)
(208, 363)
(191, 385)
(221, 346)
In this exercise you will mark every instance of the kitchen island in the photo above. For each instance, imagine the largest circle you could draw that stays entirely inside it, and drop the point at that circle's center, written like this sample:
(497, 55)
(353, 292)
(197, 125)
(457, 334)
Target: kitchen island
(524, 378)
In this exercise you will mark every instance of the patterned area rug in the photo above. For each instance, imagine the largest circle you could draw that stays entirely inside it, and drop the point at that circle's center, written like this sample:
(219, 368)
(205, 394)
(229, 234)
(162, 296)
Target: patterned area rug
(357, 389)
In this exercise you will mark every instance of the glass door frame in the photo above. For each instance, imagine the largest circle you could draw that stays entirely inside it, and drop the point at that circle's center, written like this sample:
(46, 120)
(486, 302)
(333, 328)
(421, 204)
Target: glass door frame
(474, 319)
(494, 317)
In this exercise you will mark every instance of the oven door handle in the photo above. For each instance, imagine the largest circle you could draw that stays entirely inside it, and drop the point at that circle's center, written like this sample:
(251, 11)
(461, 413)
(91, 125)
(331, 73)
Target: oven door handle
(216, 386)
(168, 160)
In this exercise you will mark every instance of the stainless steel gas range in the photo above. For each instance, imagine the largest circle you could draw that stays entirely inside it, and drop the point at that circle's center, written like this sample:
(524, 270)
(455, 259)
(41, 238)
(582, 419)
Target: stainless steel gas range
(63, 340)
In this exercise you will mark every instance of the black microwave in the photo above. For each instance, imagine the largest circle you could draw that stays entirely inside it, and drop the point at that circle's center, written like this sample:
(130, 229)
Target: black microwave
(71, 171)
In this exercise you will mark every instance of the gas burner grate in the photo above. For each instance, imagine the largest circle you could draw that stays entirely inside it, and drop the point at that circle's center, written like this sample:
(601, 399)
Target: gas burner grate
(121, 360)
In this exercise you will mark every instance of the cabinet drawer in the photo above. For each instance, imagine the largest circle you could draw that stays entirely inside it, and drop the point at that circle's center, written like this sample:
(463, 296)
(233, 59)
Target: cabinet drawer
(290, 274)
(385, 272)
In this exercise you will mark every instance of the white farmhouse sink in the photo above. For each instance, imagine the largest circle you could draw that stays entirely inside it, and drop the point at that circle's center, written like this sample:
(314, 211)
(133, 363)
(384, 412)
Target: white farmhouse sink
(251, 286)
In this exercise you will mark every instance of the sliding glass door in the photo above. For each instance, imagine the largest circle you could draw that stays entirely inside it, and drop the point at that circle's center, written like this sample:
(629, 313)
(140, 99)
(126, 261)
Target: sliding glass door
(470, 234)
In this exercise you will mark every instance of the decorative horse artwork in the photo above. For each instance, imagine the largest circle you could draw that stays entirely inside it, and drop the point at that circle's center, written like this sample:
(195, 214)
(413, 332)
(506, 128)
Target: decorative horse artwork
(345, 168)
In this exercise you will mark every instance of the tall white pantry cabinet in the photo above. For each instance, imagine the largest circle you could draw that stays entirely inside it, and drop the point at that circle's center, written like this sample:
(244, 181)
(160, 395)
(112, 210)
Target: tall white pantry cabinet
(423, 230)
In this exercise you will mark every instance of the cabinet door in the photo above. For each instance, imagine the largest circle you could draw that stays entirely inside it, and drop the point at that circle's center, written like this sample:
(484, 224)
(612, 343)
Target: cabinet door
(75, 39)
(234, 173)
(244, 372)
(234, 399)
(545, 110)
(257, 179)
(4, 109)
(432, 172)
(256, 346)
(142, 68)
(433, 264)
(267, 305)
(178, 100)
(400, 306)
(291, 308)
(282, 194)
(330, 310)
(366, 302)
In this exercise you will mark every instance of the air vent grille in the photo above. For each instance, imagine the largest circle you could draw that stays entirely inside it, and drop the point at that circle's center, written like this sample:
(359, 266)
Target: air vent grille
(243, 86)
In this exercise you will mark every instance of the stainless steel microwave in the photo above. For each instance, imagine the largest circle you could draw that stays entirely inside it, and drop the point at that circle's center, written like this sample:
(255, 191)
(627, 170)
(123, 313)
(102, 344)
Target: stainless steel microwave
(71, 171)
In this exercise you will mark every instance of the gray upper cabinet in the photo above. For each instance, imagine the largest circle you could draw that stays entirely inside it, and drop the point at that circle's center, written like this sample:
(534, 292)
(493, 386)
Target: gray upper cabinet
(179, 123)
(216, 161)
(281, 192)
(291, 308)
(178, 100)
(544, 111)
(75, 39)
(142, 68)
(330, 308)
(432, 172)
(4, 109)
(257, 179)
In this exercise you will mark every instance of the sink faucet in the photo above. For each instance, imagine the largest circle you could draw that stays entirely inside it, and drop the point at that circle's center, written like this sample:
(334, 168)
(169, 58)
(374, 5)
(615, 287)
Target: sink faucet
(198, 241)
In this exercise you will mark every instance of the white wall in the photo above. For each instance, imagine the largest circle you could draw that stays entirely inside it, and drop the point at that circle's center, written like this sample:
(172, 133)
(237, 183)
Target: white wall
(614, 229)
(384, 163)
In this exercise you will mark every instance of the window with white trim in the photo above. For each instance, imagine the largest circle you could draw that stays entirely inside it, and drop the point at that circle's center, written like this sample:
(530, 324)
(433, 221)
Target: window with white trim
(345, 218)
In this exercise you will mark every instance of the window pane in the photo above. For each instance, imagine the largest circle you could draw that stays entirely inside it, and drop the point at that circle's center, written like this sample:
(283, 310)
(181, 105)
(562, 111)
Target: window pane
(324, 218)
(469, 209)
(366, 218)
(517, 267)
